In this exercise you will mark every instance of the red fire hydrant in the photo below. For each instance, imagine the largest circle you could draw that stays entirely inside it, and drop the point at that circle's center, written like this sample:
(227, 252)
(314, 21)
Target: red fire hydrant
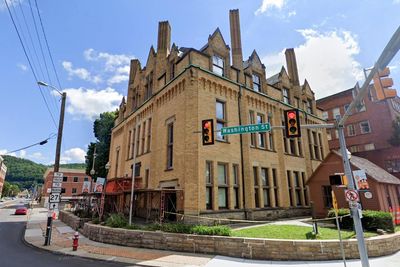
(75, 242)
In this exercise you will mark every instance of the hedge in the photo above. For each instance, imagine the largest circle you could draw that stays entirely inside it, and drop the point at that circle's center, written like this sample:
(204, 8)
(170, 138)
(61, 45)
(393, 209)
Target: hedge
(371, 220)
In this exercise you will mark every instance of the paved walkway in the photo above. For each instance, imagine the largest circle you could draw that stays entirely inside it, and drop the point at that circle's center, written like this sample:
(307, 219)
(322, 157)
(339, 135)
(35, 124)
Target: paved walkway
(62, 243)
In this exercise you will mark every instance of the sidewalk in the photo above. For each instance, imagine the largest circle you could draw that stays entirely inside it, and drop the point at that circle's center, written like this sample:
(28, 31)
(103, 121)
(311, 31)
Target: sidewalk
(62, 243)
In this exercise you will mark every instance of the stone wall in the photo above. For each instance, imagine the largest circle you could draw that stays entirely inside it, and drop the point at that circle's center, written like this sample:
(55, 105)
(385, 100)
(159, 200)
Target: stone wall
(72, 220)
(252, 248)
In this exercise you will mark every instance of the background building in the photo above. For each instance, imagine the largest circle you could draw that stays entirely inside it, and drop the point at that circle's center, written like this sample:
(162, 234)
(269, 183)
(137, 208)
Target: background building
(369, 128)
(385, 188)
(256, 175)
(3, 171)
(72, 184)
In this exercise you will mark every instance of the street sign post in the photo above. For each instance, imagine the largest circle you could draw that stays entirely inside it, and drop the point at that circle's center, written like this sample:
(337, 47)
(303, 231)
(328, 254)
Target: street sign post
(351, 195)
(54, 198)
(250, 128)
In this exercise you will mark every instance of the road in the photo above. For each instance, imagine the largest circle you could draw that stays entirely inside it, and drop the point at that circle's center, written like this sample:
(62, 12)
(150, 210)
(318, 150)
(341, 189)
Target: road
(15, 253)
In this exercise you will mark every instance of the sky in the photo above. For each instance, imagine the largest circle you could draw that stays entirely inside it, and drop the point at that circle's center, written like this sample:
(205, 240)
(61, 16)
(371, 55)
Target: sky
(91, 43)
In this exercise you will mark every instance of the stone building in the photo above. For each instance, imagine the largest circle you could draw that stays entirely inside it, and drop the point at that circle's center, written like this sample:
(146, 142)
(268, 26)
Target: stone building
(255, 176)
(3, 171)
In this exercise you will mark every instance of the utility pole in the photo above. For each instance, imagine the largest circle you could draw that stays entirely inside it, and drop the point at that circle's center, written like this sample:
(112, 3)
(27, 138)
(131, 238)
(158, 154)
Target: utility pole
(57, 159)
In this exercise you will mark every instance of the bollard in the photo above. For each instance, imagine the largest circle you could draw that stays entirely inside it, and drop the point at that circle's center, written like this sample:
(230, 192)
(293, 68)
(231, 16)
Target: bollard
(75, 242)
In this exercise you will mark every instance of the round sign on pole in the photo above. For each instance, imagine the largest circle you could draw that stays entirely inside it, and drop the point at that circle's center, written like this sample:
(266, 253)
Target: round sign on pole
(368, 195)
(351, 195)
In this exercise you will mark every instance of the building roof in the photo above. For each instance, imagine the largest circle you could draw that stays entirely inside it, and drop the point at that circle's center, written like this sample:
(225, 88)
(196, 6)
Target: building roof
(274, 79)
(372, 170)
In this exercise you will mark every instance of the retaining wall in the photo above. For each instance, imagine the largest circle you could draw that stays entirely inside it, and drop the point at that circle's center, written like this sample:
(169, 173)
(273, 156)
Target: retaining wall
(72, 220)
(252, 248)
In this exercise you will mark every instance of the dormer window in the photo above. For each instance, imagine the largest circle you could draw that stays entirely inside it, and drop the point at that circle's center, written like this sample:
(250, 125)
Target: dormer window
(218, 65)
(256, 83)
(285, 95)
(309, 106)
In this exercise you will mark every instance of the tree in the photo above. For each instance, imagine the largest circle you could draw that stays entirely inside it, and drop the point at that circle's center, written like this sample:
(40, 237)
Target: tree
(10, 190)
(395, 139)
(102, 131)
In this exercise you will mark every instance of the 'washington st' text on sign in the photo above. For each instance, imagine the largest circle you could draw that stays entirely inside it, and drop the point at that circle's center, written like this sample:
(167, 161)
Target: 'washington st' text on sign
(251, 128)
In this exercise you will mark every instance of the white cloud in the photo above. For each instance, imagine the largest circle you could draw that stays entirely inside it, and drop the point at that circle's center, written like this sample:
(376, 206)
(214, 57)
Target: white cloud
(73, 155)
(23, 67)
(81, 73)
(89, 103)
(117, 79)
(270, 4)
(292, 13)
(10, 3)
(22, 154)
(111, 61)
(326, 59)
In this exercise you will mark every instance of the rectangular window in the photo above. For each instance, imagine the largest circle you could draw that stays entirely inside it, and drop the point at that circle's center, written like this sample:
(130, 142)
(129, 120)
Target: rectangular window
(289, 181)
(285, 96)
(143, 137)
(369, 147)
(86, 179)
(209, 185)
(328, 134)
(321, 150)
(346, 107)
(76, 179)
(129, 144)
(261, 135)
(303, 180)
(327, 196)
(170, 145)
(336, 112)
(138, 141)
(235, 186)
(116, 162)
(256, 83)
(297, 187)
(365, 128)
(63, 190)
(256, 187)
(148, 136)
(222, 186)
(221, 119)
(137, 169)
(315, 145)
(252, 135)
(325, 115)
(133, 143)
(73, 190)
(309, 106)
(275, 181)
(218, 65)
(393, 165)
(350, 130)
(266, 187)
(65, 179)
(270, 137)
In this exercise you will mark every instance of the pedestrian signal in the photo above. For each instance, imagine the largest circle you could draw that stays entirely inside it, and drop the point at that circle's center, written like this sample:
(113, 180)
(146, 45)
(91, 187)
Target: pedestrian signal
(292, 123)
(207, 127)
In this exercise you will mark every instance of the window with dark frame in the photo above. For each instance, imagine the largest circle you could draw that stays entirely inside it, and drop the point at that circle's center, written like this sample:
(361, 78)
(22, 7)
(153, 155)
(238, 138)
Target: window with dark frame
(270, 137)
(276, 188)
(116, 162)
(365, 128)
(76, 179)
(327, 196)
(289, 181)
(133, 143)
(63, 190)
(235, 186)
(148, 135)
(305, 190)
(129, 144)
(73, 190)
(138, 141)
(221, 119)
(266, 187)
(350, 130)
(256, 187)
(222, 186)
(209, 185)
(309, 106)
(218, 65)
(285, 96)
(65, 179)
(143, 137)
(261, 135)
(252, 135)
(170, 145)
(297, 188)
(256, 83)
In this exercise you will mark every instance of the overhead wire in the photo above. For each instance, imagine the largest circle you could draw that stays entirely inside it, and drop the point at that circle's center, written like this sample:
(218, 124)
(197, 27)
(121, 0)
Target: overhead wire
(29, 62)
(35, 144)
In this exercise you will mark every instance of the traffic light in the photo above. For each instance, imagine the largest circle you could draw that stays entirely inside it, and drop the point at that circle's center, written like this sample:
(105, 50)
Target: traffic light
(292, 123)
(207, 132)
(382, 84)
(338, 179)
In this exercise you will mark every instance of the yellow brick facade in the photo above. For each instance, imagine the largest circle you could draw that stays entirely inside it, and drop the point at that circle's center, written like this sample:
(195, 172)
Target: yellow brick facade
(178, 86)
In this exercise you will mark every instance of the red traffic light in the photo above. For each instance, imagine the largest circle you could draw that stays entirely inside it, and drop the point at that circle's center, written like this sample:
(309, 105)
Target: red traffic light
(291, 114)
(207, 132)
(292, 123)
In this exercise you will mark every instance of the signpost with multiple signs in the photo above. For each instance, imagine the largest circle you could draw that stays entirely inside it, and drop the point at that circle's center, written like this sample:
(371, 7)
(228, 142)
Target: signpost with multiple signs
(55, 193)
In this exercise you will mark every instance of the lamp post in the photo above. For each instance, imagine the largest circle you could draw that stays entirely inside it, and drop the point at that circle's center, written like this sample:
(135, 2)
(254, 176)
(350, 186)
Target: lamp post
(103, 194)
(58, 151)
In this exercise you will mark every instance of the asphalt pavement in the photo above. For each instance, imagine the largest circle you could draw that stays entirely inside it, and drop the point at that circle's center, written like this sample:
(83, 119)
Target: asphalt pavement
(16, 253)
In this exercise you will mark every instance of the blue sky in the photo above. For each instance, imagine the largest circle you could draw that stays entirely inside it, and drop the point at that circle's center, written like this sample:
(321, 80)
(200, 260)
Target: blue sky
(92, 42)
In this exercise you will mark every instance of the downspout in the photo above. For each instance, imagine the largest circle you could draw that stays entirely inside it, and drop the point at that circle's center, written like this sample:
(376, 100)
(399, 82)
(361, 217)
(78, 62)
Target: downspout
(241, 153)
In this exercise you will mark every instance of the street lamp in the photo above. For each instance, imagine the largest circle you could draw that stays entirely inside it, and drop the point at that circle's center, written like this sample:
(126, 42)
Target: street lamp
(92, 171)
(58, 151)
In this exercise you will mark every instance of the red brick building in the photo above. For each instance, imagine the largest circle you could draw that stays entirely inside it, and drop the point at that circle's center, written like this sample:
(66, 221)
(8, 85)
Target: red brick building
(72, 184)
(368, 129)
(385, 188)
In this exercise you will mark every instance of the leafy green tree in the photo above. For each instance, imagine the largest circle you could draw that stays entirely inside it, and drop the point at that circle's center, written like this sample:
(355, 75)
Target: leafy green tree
(102, 131)
(395, 139)
(10, 189)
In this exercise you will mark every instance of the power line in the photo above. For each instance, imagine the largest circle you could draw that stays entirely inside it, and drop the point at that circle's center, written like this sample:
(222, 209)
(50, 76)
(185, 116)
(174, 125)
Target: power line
(47, 45)
(30, 63)
(35, 144)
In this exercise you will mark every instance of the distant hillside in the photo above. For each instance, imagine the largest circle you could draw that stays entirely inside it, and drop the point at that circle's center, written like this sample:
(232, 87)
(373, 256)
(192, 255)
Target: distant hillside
(26, 172)
(23, 172)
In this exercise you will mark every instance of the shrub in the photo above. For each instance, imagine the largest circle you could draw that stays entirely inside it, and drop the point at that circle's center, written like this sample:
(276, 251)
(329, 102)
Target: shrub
(132, 227)
(176, 228)
(116, 221)
(371, 221)
(211, 230)
(96, 221)
(311, 235)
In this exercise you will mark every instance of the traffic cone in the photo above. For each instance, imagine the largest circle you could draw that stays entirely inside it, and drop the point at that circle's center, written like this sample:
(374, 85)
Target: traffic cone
(398, 216)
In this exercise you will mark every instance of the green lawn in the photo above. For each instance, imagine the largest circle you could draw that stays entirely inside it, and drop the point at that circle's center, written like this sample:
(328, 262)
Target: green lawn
(293, 232)
(397, 229)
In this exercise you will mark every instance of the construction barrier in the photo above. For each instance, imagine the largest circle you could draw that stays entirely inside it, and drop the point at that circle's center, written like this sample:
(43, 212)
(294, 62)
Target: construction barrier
(396, 215)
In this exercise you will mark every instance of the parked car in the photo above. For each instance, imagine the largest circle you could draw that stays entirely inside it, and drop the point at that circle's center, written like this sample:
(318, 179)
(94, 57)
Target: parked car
(21, 210)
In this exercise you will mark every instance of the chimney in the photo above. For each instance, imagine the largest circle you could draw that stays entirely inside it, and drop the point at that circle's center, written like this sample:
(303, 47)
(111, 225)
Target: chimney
(164, 37)
(292, 66)
(236, 40)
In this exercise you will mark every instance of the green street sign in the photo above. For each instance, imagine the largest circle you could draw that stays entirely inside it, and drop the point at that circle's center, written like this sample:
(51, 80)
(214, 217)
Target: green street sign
(251, 128)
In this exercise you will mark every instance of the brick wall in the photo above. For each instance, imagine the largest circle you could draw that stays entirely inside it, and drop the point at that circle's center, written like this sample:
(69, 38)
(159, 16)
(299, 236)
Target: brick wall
(252, 248)
(72, 220)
